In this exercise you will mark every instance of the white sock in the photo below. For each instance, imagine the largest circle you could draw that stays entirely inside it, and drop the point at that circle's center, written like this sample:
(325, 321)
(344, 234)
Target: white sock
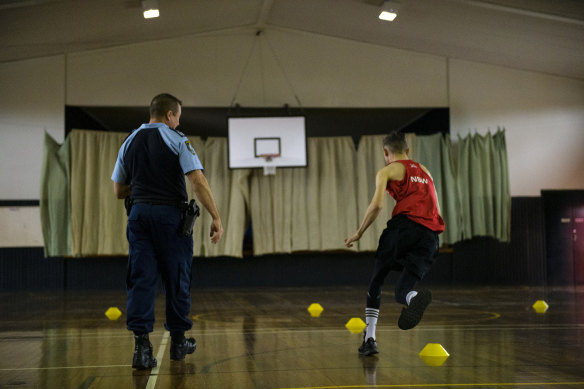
(371, 315)
(410, 296)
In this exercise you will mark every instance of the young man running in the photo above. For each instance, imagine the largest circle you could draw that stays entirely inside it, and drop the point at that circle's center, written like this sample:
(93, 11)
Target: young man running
(409, 243)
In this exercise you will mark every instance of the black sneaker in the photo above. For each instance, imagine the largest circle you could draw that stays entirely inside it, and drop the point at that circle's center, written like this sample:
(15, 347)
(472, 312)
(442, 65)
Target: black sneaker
(368, 347)
(143, 358)
(179, 350)
(412, 314)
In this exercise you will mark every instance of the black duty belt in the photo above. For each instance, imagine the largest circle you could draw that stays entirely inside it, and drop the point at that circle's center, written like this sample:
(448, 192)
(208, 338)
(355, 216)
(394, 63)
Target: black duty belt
(173, 203)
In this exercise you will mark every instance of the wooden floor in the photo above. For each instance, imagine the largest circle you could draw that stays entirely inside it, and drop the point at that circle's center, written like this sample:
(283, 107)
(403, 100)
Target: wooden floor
(265, 338)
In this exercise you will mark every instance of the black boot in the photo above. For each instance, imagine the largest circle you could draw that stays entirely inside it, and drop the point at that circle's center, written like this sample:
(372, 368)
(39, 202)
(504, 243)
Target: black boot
(143, 358)
(180, 347)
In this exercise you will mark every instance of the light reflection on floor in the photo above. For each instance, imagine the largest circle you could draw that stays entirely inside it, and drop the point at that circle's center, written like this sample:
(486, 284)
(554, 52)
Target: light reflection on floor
(265, 338)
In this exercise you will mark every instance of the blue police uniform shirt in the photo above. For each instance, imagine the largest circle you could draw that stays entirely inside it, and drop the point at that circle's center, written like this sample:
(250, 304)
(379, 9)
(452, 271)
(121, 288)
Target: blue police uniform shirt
(154, 159)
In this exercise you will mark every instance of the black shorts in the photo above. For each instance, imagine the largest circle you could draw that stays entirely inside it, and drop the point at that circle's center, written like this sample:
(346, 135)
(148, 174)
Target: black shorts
(407, 244)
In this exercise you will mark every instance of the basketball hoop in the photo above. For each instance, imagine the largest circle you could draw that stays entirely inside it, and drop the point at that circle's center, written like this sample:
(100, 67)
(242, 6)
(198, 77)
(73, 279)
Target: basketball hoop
(269, 170)
(268, 157)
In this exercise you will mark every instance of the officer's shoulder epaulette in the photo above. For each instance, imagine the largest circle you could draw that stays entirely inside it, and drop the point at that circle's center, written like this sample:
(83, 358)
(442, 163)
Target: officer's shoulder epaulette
(178, 132)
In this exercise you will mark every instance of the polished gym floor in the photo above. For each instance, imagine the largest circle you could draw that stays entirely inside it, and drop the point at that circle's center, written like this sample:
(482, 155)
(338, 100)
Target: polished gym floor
(265, 338)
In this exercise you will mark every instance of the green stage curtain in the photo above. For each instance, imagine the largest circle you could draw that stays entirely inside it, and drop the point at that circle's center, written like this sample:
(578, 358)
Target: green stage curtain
(311, 208)
(298, 209)
(482, 173)
(434, 152)
(98, 218)
(229, 188)
(55, 204)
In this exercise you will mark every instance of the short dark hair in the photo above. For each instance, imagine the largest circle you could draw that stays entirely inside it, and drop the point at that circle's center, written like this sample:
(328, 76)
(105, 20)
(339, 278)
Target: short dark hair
(396, 142)
(163, 103)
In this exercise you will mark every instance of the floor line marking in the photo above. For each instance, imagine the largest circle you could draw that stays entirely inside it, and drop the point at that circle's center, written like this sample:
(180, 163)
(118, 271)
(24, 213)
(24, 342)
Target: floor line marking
(154, 372)
(64, 367)
(439, 385)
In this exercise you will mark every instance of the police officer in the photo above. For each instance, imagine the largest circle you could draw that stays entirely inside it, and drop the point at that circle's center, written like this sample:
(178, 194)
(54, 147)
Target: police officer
(149, 172)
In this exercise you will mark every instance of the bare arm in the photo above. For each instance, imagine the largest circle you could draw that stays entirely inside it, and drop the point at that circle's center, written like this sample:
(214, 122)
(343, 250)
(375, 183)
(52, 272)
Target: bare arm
(205, 196)
(121, 190)
(390, 172)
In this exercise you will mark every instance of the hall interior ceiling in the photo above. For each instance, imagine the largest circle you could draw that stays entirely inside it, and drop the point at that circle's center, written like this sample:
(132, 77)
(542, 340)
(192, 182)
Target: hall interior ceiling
(545, 36)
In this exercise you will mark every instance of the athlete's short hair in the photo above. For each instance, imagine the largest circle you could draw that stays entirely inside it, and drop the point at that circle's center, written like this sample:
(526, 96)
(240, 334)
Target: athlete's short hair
(396, 142)
(163, 103)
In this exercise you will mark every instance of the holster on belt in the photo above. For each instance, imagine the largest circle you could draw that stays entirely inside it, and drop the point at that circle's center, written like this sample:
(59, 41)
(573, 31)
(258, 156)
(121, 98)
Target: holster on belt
(128, 202)
(190, 214)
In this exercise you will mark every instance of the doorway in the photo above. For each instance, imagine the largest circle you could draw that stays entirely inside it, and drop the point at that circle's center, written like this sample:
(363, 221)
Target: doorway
(564, 234)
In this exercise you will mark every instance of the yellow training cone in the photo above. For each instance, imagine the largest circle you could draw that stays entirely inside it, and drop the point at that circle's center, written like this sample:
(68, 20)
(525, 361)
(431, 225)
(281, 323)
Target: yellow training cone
(355, 325)
(540, 306)
(113, 313)
(315, 309)
(434, 354)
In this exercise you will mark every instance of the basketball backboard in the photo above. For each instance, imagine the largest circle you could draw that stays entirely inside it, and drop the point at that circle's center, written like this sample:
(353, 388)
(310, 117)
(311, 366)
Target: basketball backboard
(256, 142)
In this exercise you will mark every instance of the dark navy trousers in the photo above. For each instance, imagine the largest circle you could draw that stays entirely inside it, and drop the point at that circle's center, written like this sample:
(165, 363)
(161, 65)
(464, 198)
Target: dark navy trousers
(158, 249)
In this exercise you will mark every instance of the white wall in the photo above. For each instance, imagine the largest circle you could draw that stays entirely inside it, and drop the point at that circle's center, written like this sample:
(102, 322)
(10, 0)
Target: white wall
(205, 71)
(20, 227)
(543, 115)
(32, 101)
